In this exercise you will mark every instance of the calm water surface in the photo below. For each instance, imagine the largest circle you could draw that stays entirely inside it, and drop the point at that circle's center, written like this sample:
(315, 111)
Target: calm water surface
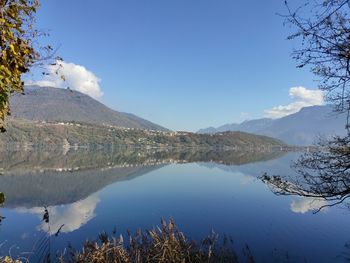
(87, 192)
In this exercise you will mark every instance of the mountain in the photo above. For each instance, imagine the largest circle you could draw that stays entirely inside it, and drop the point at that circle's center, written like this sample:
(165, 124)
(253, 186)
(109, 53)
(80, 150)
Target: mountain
(60, 105)
(301, 128)
(49, 117)
(252, 126)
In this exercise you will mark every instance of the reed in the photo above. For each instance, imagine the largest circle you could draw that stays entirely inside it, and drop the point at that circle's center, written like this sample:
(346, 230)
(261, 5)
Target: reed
(165, 243)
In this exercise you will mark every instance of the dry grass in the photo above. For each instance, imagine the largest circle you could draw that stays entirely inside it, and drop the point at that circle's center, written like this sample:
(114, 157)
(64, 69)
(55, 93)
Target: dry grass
(162, 244)
(9, 260)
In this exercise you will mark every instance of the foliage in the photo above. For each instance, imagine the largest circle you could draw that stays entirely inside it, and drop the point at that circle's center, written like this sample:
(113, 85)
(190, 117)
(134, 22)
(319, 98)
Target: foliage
(321, 174)
(325, 45)
(16, 46)
(19, 48)
(2, 198)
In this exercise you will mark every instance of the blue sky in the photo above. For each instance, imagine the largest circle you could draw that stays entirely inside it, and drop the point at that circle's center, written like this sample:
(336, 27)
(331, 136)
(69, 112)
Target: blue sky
(184, 64)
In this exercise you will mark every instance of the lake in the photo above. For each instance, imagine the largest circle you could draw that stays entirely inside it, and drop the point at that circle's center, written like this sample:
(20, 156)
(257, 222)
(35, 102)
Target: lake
(87, 192)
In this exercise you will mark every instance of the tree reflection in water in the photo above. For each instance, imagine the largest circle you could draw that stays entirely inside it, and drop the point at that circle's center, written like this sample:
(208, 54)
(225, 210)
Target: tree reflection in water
(2, 201)
(42, 249)
(322, 174)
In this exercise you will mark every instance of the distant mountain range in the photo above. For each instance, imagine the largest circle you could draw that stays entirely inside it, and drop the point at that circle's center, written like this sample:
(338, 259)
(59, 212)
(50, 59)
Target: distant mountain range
(62, 105)
(301, 128)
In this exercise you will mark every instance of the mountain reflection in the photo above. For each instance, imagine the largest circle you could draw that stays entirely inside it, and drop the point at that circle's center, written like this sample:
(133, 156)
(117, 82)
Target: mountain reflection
(83, 159)
(47, 178)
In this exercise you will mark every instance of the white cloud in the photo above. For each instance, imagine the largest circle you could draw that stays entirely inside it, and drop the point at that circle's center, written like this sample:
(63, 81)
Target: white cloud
(243, 116)
(76, 78)
(304, 205)
(302, 97)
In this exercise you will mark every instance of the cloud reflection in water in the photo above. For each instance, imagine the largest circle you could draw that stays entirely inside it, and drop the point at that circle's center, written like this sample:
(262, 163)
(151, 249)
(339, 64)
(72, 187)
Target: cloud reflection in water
(304, 205)
(71, 217)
